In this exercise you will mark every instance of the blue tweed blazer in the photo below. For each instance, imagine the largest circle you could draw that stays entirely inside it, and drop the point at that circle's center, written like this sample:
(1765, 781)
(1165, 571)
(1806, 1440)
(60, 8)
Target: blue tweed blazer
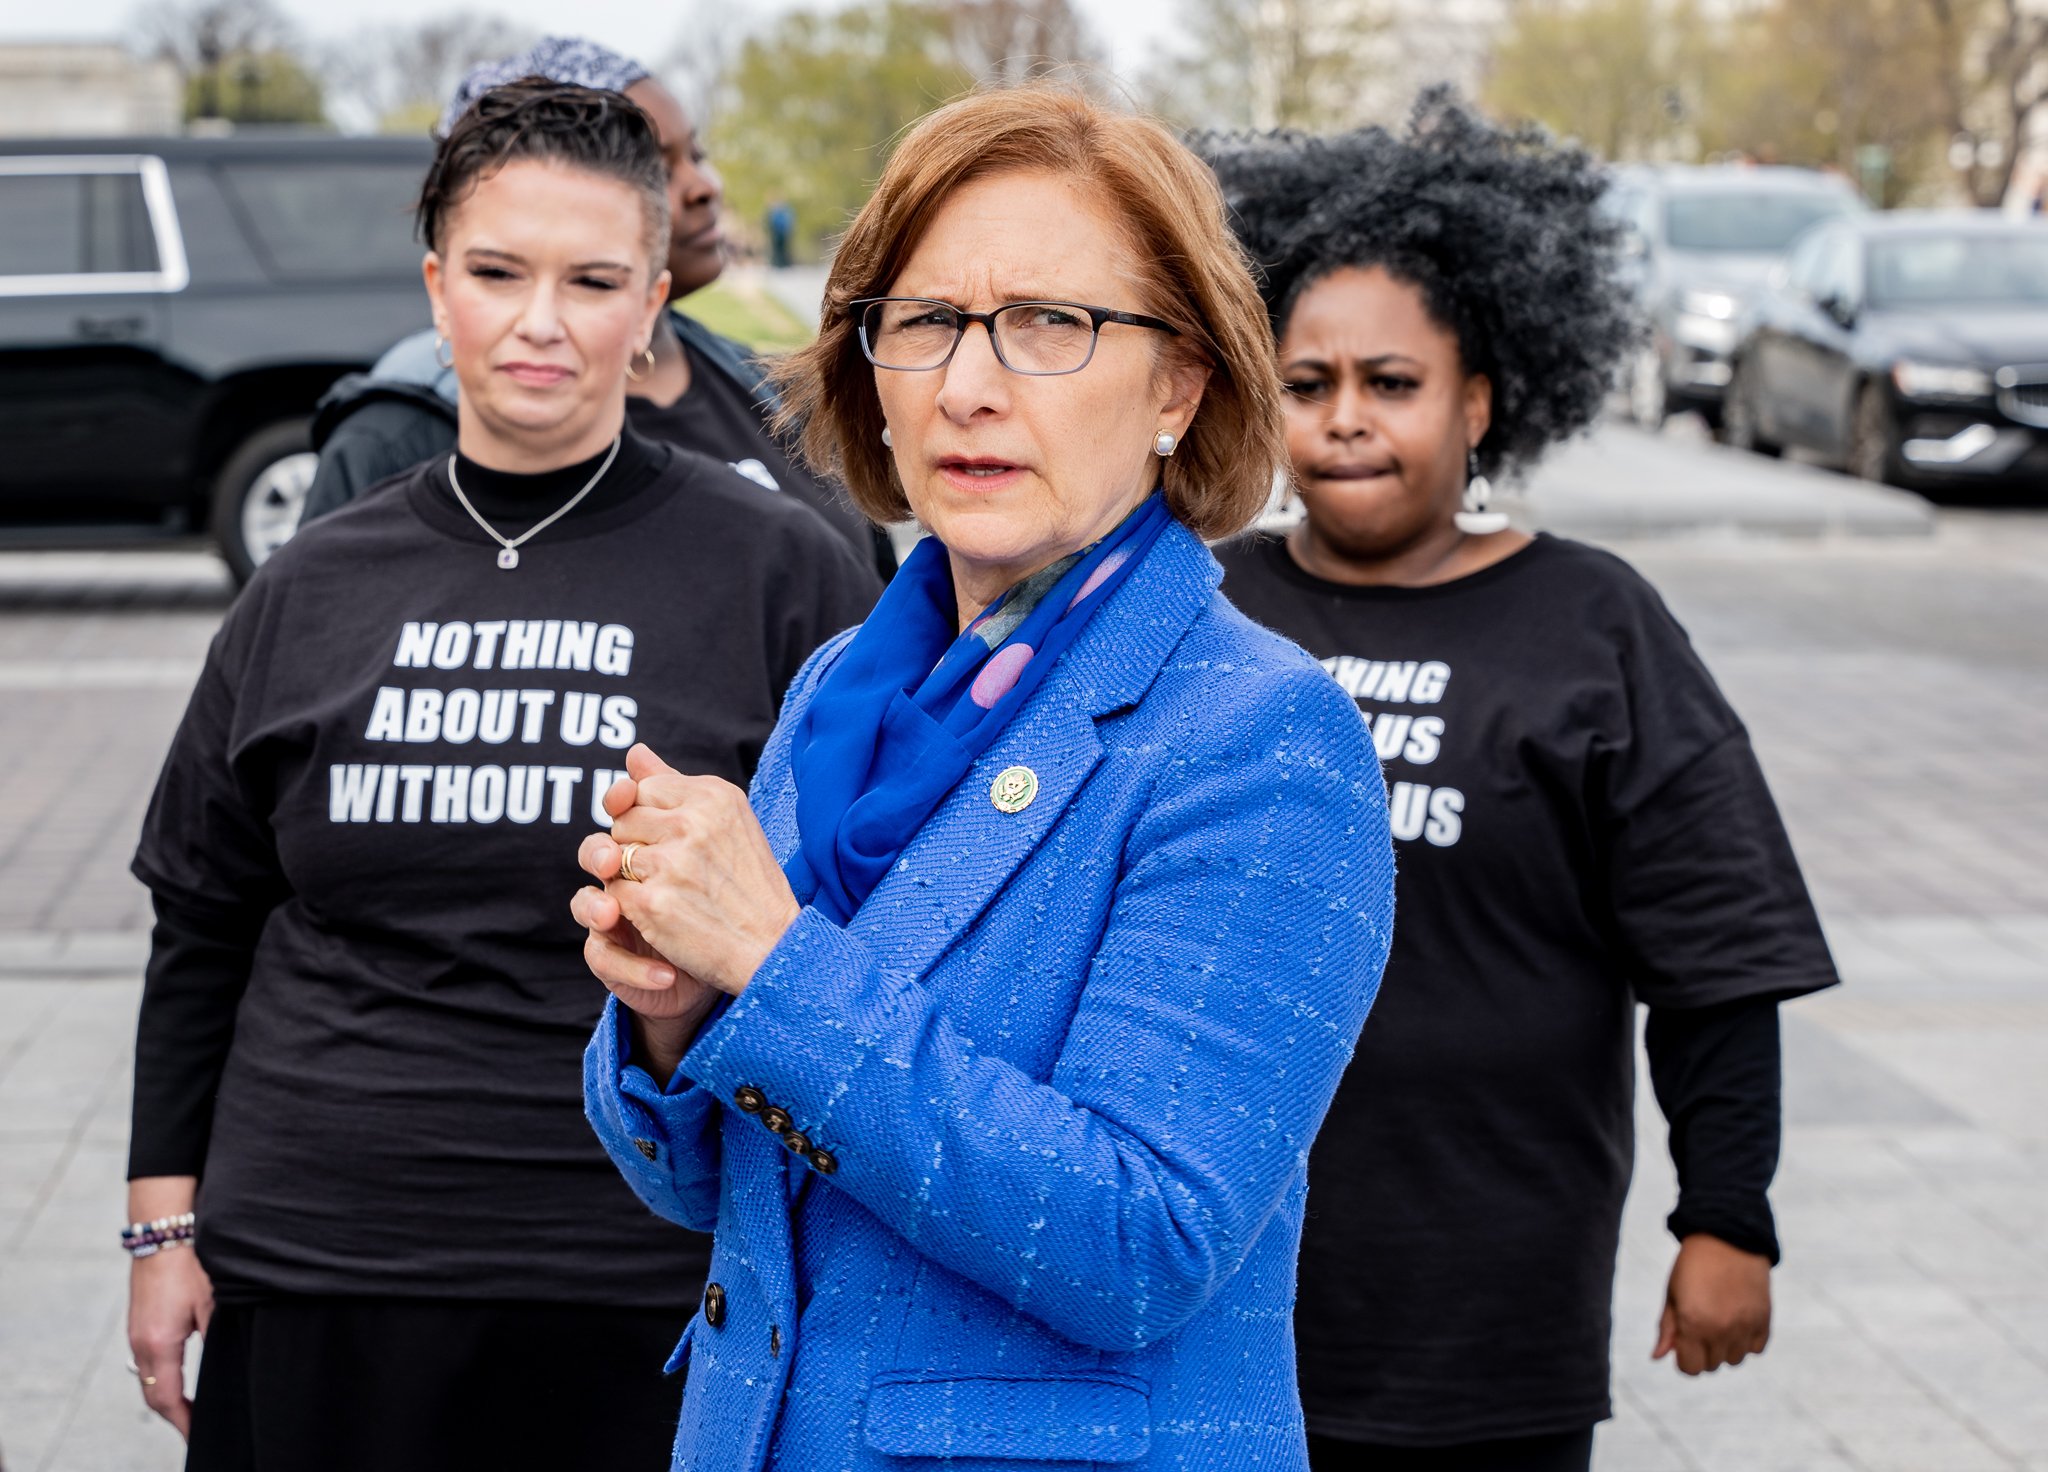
(1009, 1171)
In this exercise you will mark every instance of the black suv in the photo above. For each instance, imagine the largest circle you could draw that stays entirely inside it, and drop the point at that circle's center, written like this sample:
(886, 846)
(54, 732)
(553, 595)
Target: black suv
(170, 311)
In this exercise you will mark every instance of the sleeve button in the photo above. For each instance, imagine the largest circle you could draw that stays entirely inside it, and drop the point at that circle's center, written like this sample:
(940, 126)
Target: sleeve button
(797, 1141)
(714, 1305)
(775, 1119)
(823, 1161)
(646, 1148)
(750, 1099)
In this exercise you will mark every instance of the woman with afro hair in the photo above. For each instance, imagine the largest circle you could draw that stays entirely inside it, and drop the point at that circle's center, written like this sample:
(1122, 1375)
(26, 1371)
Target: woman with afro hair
(1580, 822)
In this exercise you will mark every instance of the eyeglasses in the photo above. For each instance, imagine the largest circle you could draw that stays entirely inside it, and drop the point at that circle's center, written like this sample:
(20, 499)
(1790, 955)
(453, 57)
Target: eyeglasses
(915, 334)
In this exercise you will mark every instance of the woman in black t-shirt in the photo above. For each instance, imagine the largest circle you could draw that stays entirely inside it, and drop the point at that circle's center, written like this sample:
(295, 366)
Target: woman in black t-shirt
(698, 390)
(358, 1062)
(1581, 822)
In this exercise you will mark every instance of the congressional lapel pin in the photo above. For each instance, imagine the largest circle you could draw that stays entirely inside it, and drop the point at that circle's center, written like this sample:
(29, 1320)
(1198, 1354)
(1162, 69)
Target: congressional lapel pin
(1013, 789)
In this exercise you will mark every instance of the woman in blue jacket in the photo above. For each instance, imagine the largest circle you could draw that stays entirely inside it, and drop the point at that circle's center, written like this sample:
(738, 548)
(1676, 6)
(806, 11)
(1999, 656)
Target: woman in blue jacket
(991, 1036)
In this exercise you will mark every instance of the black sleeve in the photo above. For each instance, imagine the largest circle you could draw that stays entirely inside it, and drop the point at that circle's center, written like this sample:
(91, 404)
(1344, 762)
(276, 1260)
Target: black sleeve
(209, 859)
(378, 440)
(199, 960)
(1718, 1079)
(1704, 889)
(1700, 883)
(839, 592)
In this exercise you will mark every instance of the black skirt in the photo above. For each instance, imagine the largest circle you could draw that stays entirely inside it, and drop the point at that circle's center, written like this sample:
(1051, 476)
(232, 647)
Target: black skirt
(1564, 1451)
(307, 1384)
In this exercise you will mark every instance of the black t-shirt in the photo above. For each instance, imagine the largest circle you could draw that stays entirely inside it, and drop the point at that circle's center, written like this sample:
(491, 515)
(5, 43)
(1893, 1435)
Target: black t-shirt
(362, 848)
(716, 417)
(1580, 824)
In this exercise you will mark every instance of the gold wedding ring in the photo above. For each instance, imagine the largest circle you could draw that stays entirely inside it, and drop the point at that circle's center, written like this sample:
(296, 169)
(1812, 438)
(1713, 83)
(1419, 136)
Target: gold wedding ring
(626, 862)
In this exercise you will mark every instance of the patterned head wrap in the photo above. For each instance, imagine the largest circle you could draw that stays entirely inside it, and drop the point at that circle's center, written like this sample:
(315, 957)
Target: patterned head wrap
(566, 59)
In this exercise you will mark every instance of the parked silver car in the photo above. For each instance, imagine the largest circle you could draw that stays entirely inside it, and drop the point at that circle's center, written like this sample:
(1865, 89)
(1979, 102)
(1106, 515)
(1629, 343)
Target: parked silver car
(1701, 243)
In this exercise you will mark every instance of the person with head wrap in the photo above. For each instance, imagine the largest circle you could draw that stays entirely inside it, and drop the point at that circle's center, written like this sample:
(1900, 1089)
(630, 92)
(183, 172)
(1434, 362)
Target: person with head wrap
(698, 390)
(1581, 823)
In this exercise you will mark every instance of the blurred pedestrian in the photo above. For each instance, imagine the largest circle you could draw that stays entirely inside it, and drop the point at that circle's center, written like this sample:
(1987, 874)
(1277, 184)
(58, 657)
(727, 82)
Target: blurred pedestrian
(1581, 822)
(993, 1036)
(781, 230)
(364, 1005)
(701, 391)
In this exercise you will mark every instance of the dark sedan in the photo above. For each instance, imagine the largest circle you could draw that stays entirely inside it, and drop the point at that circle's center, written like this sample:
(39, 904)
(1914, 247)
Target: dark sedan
(1910, 348)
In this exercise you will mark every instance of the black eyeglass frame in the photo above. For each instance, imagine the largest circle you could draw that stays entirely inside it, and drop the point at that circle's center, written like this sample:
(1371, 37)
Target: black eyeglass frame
(1099, 317)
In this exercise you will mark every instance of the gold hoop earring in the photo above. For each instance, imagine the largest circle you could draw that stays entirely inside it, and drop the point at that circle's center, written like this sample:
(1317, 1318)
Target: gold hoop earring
(441, 342)
(647, 353)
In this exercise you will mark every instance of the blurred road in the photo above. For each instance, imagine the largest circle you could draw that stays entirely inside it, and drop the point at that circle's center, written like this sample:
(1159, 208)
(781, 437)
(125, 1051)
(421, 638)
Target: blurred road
(1894, 669)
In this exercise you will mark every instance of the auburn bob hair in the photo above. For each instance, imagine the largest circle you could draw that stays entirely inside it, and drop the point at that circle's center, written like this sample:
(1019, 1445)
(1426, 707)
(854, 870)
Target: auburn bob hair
(1189, 268)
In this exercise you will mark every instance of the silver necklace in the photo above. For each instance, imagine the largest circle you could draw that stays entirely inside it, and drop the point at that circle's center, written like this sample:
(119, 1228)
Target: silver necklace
(508, 555)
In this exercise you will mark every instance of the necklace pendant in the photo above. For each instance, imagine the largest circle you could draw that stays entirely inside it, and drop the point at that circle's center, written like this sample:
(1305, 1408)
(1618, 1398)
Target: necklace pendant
(509, 558)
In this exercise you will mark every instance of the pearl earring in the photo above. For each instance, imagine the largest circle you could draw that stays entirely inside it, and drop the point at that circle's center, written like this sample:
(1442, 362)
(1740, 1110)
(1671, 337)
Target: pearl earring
(887, 442)
(1475, 520)
(1163, 443)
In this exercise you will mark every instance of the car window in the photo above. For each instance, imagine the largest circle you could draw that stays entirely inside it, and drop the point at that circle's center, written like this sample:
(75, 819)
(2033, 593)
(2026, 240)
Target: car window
(1754, 222)
(1923, 270)
(1835, 274)
(329, 221)
(59, 224)
(1802, 271)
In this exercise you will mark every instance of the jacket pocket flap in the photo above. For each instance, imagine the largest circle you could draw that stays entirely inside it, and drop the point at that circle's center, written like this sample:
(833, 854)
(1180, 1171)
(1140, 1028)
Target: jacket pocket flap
(1101, 1417)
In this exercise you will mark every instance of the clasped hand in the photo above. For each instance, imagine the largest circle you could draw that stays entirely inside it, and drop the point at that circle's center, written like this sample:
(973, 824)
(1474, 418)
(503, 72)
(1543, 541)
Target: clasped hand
(708, 905)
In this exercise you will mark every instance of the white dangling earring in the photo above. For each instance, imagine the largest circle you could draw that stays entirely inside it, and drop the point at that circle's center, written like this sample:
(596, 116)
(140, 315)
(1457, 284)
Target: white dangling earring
(1475, 520)
(1163, 443)
(887, 442)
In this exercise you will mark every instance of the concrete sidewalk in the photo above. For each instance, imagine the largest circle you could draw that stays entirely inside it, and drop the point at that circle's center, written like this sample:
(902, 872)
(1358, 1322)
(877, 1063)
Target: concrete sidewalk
(1897, 688)
(1625, 483)
(1911, 1326)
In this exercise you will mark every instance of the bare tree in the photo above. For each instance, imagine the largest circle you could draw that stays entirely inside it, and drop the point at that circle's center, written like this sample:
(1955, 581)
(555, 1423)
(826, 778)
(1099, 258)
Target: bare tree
(1010, 41)
(1272, 63)
(201, 36)
(400, 77)
(696, 65)
(1997, 53)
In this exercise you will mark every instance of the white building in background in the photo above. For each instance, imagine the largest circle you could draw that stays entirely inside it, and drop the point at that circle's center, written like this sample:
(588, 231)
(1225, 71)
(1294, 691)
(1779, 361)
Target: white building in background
(52, 90)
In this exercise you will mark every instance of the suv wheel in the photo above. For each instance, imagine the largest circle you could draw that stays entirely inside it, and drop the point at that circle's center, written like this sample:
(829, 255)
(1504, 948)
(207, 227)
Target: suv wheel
(1738, 415)
(1648, 403)
(258, 495)
(1873, 438)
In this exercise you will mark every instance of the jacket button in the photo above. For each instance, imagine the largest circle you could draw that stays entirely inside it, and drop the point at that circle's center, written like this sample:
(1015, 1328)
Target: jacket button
(750, 1099)
(714, 1305)
(797, 1140)
(645, 1147)
(775, 1119)
(823, 1161)
(775, 1339)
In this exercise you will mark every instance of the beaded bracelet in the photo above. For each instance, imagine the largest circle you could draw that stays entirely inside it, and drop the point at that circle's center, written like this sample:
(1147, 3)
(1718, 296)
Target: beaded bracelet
(143, 1239)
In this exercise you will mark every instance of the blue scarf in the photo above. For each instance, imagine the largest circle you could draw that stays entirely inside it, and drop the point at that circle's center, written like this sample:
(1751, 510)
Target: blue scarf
(911, 703)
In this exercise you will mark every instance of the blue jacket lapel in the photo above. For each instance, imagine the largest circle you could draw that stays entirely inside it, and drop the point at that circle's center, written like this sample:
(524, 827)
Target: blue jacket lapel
(968, 849)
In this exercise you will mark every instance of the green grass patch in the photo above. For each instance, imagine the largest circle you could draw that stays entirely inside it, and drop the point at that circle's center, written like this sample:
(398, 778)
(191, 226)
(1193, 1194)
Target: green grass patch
(747, 311)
